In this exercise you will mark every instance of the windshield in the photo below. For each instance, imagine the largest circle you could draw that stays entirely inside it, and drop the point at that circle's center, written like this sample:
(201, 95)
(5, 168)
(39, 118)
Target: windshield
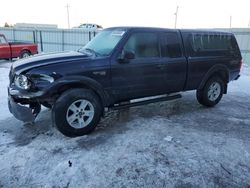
(104, 42)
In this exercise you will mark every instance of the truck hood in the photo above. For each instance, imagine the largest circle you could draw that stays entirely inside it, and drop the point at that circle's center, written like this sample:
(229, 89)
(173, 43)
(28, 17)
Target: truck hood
(47, 59)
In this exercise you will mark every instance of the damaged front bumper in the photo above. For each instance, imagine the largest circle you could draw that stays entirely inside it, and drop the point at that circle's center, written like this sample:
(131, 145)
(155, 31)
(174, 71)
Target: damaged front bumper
(25, 113)
(20, 112)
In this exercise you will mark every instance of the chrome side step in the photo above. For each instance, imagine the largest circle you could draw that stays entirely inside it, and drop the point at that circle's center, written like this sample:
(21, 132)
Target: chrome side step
(144, 102)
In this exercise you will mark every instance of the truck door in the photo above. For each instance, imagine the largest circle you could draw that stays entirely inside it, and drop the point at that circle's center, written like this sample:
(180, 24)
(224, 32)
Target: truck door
(142, 75)
(5, 51)
(174, 63)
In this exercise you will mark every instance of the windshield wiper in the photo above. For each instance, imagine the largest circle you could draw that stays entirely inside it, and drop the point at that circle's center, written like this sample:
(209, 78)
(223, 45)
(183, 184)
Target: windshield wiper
(92, 51)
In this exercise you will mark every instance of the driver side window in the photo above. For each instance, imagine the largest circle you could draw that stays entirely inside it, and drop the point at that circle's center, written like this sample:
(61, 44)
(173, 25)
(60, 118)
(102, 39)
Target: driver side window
(143, 45)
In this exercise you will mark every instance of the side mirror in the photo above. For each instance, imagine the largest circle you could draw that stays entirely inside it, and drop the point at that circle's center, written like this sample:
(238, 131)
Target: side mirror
(126, 56)
(129, 55)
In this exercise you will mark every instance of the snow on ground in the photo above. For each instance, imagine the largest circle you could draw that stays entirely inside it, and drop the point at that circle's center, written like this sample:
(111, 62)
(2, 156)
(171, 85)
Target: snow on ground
(4, 72)
(168, 144)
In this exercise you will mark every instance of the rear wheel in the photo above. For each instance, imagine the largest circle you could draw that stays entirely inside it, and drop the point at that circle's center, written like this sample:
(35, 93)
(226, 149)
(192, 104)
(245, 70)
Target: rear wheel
(24, 54)
(77, 112)
(212, 92)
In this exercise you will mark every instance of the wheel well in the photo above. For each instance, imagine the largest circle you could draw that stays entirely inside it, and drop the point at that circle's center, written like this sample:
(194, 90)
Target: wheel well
(25, 50)
(223, 75)
(64, 88)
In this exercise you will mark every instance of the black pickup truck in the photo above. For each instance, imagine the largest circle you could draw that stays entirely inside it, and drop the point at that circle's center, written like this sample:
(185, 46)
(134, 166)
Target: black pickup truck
(118, 65)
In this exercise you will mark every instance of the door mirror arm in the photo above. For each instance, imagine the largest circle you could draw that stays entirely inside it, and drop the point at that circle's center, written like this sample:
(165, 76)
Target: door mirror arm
(126, 56)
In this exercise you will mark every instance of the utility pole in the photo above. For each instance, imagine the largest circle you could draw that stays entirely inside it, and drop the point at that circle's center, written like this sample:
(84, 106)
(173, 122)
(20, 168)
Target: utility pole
(67, 6)
(176, 15)
(230, 22)
(249, 24)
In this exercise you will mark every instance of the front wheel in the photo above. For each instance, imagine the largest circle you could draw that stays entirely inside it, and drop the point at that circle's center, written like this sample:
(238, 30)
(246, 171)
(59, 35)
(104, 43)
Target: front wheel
(77, 112)
(212, 92)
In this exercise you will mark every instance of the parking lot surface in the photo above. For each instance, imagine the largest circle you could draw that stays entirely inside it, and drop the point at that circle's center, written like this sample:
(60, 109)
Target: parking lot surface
(168, 144)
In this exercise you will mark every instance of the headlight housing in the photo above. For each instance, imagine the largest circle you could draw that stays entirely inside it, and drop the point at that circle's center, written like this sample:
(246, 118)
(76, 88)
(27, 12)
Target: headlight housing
(22, 82)
(45, 78)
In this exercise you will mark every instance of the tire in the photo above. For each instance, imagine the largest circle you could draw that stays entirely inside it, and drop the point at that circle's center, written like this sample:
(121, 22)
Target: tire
(24, 54)
(212, 92)
(66, 112)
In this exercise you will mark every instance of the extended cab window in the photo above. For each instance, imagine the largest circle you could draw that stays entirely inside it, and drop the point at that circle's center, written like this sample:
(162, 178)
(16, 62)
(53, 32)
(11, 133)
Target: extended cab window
(143, 45)
(170, 45)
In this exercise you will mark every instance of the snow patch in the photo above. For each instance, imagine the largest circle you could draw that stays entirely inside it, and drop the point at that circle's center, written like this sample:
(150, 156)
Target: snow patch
(4, 81)
(168, 138)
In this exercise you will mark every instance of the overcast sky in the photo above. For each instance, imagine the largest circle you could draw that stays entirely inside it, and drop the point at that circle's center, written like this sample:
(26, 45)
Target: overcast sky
(155, 13)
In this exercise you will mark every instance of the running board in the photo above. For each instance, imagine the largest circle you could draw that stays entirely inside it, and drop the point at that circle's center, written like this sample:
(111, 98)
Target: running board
(144, 102)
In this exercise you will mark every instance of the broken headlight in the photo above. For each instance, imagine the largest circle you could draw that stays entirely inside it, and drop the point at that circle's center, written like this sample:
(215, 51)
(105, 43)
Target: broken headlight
(22, 82)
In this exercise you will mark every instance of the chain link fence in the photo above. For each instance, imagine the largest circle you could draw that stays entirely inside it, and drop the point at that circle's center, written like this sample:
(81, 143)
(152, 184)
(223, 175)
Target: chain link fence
(51, 40)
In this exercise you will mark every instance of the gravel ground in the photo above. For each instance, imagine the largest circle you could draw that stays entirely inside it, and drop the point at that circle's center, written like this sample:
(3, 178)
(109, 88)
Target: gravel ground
(168, 144)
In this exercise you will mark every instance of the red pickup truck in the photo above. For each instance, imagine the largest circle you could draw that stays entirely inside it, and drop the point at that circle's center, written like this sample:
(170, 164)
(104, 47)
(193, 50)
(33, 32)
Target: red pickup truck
(10, 50)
